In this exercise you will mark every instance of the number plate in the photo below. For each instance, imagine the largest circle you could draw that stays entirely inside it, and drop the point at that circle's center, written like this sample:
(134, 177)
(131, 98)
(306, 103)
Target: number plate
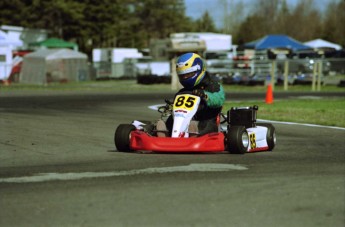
(186, 102)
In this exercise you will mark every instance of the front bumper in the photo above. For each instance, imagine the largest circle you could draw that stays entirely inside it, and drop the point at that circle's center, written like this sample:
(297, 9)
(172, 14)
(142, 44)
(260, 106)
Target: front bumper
(212, 142)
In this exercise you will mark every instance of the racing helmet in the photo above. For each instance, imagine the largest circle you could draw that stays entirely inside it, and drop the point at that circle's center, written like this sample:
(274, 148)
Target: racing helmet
(190, 69)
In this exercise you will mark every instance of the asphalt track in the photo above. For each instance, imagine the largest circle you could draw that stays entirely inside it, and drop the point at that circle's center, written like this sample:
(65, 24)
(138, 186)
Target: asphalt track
(59, 167)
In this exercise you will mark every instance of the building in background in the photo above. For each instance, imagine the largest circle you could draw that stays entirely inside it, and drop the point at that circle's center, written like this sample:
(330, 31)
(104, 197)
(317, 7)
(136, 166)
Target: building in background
(13, 39)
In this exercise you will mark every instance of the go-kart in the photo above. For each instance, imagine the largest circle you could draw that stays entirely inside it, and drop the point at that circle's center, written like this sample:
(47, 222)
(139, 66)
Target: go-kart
(238, 131)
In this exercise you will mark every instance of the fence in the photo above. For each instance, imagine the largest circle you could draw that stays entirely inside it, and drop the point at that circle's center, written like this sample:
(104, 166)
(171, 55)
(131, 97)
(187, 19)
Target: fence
(258, 70)
(316, 72)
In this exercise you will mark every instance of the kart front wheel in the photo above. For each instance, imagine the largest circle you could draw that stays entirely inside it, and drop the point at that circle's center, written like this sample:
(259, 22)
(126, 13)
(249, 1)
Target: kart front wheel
(237, 140)
(271, 135)
(122, 137)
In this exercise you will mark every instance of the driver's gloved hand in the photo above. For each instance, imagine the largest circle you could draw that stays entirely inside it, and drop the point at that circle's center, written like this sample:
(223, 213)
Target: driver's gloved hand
(201, 93)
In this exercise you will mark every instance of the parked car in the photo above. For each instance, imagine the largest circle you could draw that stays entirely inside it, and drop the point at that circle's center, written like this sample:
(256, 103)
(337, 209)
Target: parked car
(280, 79)
(303, 79)
(232, 79)
(258, 79)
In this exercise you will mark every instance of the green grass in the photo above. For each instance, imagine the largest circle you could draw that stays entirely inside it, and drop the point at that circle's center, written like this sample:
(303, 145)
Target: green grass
(328, 111)
(280, 88)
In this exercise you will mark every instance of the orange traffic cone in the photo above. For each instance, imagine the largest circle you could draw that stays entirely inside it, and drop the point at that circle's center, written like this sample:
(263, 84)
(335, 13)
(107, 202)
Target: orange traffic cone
(269, 94)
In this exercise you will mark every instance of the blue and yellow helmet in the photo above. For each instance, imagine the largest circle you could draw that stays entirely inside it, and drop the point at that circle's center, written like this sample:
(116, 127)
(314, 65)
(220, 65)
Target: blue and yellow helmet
(190, 69)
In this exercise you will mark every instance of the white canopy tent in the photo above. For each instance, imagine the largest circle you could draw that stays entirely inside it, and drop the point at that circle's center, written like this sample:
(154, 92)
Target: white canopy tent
(320, 44)
(54, 65)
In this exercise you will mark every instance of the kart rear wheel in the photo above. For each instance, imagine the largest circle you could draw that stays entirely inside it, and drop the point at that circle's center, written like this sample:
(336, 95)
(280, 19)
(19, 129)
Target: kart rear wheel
(122, 137)
(237, 140)
(271, 135)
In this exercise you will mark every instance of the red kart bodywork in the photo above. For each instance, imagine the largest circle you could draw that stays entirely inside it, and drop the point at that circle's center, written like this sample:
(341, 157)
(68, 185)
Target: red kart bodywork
(212, 142)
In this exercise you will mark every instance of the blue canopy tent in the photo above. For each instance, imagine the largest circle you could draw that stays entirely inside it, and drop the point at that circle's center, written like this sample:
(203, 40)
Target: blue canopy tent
(276, 42)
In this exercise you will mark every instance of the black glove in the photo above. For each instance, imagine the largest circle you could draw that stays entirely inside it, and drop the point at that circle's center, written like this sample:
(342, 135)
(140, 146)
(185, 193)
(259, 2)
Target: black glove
(201, 93)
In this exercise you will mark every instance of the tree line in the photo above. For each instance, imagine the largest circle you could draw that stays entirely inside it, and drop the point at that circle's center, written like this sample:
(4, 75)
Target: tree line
(131, 23)
(303, 22)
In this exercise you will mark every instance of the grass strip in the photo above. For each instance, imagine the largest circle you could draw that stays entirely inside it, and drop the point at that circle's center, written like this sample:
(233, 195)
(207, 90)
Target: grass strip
(326, 111)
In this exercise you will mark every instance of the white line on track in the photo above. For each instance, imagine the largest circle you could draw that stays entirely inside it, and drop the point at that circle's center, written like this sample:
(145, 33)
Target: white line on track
(294, 123)
(197, 167)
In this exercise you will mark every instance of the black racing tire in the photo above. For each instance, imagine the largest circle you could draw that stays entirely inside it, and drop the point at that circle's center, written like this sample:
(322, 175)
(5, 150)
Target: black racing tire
(237, 140)
(122, 137)
(271, 135)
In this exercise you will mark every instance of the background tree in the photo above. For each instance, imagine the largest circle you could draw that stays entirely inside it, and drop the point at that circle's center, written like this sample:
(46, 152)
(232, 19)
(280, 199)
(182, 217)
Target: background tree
(205, 24)
(57, 16)
(12, 12)
(132, 23)
(250, 29)
(282, 22)
(260, 22)
(305, 21)
(159, 18)
(234, 15)
(333, 26)
(103, 23)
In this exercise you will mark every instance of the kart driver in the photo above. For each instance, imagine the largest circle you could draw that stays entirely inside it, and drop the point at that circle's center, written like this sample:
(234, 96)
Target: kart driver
(192, 74)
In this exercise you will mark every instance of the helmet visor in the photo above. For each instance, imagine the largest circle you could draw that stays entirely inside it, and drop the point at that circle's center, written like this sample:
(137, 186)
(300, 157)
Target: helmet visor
(186, 76)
